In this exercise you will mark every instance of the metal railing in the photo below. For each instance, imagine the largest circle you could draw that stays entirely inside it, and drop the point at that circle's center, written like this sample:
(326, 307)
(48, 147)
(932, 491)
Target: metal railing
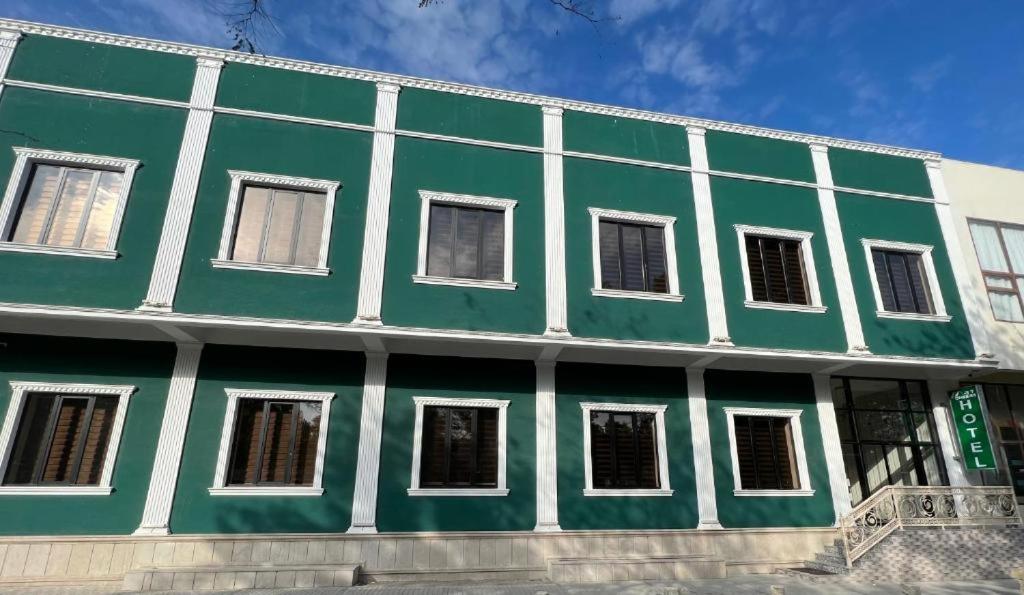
(895, 507)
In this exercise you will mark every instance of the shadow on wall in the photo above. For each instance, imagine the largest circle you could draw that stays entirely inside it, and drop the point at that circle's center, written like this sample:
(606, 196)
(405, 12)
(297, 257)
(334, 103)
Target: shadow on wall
(926, 339)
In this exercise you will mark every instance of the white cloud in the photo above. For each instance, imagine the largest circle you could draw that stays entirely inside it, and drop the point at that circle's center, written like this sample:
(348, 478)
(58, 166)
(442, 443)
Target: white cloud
(925, 78)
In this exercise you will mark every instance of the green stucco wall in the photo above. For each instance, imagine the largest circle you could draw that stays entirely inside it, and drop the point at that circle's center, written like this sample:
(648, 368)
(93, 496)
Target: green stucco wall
(452, 114)
(578, 383)
(624, 137)
(416, 376)
(769, 391)
(221, 367)
(50, 359)
(881, 173)
(759, 156)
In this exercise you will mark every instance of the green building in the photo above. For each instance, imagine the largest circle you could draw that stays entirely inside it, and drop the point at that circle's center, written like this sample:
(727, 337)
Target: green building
(268, 320)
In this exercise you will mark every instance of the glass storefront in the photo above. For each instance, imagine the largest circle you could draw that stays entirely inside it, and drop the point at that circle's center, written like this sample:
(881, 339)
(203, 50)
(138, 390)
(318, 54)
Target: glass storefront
(1006, 414)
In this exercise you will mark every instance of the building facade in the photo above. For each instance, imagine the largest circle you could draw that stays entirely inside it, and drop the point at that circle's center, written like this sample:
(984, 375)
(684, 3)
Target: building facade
(440, 330)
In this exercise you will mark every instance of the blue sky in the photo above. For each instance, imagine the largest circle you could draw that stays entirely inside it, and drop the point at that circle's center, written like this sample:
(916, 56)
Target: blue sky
(940, 75)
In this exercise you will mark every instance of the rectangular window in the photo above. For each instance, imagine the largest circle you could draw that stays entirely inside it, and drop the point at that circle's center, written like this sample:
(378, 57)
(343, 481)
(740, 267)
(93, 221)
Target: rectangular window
(624, 450)
(275, 443)
(764, 448)
(777, 271)
(62, 440)
(466, 242)
(279, 226)
(633, 257)
(459, 448)
(1000, 249)
(903, 282)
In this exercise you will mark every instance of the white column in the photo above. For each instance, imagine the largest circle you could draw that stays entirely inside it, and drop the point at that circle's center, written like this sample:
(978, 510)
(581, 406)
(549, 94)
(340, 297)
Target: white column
(9, 39)
(174, 236)
(704, 470)
(554, 224)
(939, 393)
(974, 301)
(547, 454)
(375, 236)
(371, 427)
(710, 267)
(837, 250)
(164, 480)
(837, 481)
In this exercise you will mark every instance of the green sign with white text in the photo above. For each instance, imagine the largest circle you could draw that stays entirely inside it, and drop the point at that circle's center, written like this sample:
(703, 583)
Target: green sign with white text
(969, 419)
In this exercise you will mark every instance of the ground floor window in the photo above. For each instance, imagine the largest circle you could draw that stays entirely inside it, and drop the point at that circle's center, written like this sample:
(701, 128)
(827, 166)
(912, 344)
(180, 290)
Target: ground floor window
(625, 450)
(1006, 413)
(888, 434)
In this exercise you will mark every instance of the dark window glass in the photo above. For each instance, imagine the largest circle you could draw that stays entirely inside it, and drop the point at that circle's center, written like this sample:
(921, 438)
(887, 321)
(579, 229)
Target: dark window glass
(632, 257)
(623, 450)
(61, 440)
(466, 242)
(460, 447)
(275, 442)
(776, 270)
(902, 281)
(1006, 414)
(764, 447)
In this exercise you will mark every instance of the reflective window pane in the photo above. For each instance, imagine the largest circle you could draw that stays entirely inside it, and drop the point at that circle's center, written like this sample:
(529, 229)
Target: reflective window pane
(988, 247)
(252, 219)
(311, 227)
(35, 207)
(101, 216)
(284, 211)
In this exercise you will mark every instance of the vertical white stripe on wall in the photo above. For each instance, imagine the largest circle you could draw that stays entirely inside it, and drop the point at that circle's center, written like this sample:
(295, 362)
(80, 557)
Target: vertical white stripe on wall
(8, 42)
(375, 236)
(371, 426)
(547, 456)
(938, 390)
(707, 504)
(164, 480)
(554, 224)
(837, 481)
(973, 299)
(837, 250)
(174, 236)
(710, 267)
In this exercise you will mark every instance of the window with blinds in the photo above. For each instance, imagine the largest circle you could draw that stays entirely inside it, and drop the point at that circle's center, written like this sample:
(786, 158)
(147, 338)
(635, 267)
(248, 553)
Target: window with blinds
(902, 281)
(633, 257)
(67, 207)
(777, 271)
(466, 242)
(279, 226)
(1000, 249)
(623, 450)
(275, 443)
(460, 447)
(61, 440)
(764, 448)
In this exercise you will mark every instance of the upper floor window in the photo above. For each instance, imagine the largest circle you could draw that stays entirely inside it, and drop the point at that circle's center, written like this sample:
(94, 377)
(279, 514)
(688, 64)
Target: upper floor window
(634, 255)
(767, 451)
(465, 240)
(1000, 249)
(65, 203)
(625, 449)
(778, 269)
(277, 223)
(903, 279)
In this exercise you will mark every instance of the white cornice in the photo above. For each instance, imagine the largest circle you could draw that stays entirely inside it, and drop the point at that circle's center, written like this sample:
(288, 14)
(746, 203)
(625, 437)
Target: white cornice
(548, 103)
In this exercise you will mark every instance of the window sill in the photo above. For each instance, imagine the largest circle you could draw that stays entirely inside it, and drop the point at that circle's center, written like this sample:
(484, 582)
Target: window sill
(637, 295)
(773, 493)
(266, 491)
(785, 307)
(269, 268)
(55, 490)
(57, 250)
(627, 492)
(459, 282)
(913, 316)
(457, 492)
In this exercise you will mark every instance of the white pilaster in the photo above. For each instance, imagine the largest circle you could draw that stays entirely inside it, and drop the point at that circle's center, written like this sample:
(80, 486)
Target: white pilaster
(547, 458)
(837, 481)
(164, 480)
(939, 393)
(554, 224)
(375, 236)
(710, 267)
(974, 301)
(707, 502)
(174, 236)
(8, 43)
(371, 425)
(837, 250)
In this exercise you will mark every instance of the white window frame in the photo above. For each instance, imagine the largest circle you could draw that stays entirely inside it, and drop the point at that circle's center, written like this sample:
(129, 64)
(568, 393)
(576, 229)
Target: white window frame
(239, 180)
(803, 473)
(804, 237)
(25, 159)
(19, 392)
(220, 487)
(662, 441)
(666, 222)
(925, 251)
(429, 197)
(417, 448)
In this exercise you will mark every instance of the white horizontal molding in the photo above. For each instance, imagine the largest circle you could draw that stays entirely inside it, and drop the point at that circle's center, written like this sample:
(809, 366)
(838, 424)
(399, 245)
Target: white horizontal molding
(773, 493)
(774, 232)
(623, 407)
(763, 411)
(457, 492)
(55, 490)
(461, 282)
(631, 217)
(468, 200)
(468, 141)
(637, 295)
(913, 316)
(459, 402)
(785, 307)
(267, 267)
(96, 93)
(893, 245)
(68, 158)
(234, 111)
(282, 181)
(58, 250)
(286, 395)
(266, 491)
(624, 493)
(74, 388)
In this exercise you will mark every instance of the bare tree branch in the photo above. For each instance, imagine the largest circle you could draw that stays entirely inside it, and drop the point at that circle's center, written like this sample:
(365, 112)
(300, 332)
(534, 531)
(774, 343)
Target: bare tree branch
(248, 22)
(580, 8)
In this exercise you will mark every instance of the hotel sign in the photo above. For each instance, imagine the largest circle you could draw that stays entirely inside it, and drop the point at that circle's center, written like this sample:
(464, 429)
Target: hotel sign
(969, 420)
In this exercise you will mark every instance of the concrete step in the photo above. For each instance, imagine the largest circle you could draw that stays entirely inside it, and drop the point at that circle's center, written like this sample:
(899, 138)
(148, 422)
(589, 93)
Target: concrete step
(834, 569)
(632, 568)
(222, 578)
(833, 559)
